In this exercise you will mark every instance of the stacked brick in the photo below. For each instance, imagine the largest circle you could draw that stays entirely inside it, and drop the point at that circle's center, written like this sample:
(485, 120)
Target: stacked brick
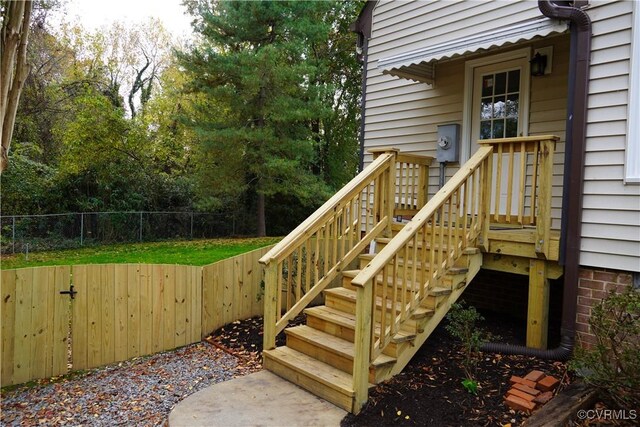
(530, 392)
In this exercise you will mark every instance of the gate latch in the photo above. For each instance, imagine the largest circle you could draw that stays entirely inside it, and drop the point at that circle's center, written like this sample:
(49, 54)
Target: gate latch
(70, 292)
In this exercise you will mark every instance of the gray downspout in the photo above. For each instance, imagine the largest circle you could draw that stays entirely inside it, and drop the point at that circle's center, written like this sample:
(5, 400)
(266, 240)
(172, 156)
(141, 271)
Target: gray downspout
(575, 147)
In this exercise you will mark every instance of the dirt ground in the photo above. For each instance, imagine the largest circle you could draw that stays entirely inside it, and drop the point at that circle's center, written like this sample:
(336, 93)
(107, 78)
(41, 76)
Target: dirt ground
(429, 391)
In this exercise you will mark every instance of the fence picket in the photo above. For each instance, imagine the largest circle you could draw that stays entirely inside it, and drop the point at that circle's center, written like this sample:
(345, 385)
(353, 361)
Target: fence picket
(8, 317)
(61, 317)
(121, 312)
(180, 335)
(134, 325)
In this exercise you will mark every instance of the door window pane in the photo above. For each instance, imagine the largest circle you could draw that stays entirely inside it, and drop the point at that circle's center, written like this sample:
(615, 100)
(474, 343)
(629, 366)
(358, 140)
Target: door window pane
(500, 105)
(501, 83)
(514, 81)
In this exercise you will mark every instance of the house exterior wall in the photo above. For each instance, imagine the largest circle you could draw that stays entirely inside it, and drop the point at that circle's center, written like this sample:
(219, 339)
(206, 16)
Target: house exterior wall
(405, 114)
(611, 215)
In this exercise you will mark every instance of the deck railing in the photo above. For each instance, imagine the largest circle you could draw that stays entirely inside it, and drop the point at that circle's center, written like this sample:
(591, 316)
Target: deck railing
(458, 216)
(306, 261)
(522, 195)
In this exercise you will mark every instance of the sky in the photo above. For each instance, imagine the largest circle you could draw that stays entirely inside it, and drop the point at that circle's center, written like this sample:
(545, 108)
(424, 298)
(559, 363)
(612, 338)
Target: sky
(93, 14)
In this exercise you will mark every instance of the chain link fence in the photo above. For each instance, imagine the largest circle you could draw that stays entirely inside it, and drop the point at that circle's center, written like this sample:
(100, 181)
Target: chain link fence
(25, 233)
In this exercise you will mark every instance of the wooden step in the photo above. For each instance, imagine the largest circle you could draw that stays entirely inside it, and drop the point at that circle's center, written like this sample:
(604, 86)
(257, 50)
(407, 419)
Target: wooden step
(348, 275)
(381, 242)
(342, 325)
(345, 300)
(330, 349)
(365, 259)
(321, 379)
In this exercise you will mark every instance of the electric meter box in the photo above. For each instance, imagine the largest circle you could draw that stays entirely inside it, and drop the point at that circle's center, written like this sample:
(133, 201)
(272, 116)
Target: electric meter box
(448, 143)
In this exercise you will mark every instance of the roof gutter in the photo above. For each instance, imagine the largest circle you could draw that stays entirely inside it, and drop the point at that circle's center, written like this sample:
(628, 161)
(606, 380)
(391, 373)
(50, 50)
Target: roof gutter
(575, 147)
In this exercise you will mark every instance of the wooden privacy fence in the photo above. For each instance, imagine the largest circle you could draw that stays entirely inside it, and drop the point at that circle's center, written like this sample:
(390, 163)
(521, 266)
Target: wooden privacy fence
(118, 311)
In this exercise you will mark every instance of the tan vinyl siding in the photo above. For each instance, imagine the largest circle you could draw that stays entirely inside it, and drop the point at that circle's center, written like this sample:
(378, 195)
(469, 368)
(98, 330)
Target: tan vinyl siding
(611, 216)
(405, 114)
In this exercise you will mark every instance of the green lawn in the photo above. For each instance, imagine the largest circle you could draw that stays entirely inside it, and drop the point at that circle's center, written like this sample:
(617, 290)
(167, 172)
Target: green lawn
(193, 252)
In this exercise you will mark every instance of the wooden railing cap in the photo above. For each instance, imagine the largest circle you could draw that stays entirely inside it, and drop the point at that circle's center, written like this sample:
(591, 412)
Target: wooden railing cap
(383, 150)
(520, 139)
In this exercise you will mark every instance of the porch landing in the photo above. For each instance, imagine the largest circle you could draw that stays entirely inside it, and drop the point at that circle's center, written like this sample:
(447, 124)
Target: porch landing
(259, 399)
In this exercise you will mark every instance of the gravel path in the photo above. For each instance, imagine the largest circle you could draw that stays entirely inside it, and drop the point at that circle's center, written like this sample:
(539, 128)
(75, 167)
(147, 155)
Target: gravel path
(140, 391)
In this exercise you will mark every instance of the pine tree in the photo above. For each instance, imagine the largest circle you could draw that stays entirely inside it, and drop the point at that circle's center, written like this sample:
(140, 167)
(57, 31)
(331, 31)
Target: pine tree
(255, 77)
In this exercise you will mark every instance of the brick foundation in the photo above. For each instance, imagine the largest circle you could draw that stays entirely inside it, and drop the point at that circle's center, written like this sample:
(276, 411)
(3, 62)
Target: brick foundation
(593, 286)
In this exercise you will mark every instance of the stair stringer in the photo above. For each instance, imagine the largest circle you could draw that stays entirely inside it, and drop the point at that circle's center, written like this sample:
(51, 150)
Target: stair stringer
(429, 324)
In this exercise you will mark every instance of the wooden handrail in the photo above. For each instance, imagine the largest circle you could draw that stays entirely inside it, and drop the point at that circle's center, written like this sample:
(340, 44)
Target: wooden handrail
(279, 251)
(447, 224)
(306, 261)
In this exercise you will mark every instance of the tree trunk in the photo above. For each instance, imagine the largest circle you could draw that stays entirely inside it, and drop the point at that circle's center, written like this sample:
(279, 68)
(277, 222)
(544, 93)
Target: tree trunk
(262, 224)
(13, 68)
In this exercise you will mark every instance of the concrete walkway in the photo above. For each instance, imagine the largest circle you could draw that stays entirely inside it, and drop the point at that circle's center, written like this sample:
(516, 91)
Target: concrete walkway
(259, 399)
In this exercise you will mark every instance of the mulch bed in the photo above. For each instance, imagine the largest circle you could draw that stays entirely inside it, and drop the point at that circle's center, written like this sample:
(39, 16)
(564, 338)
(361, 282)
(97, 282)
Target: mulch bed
(429, 391)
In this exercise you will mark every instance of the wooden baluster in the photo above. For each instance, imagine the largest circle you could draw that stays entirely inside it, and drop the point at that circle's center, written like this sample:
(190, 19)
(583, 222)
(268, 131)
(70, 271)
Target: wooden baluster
(422, 185)
(534, 184)
(289, 279)
(449, 230)
(466, 212)
(316, 269)
(400, 185)
(474, 206)
(485, 188)
(498, 180)
(366, 210)
(383, 299)
(510, 183)
(390, 198)
(434, 249)
(309, 265)
(326, 242)
(279, 292)
(405, 276)
(423, 261)
(414, 195)
(270, 305)
(299, 274)
(456, 230)
(334, 236)
(441, 240)
(523, 181)
(414, 273)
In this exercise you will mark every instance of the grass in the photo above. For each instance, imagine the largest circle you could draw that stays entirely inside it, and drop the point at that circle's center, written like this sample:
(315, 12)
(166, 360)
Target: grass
(192, 252)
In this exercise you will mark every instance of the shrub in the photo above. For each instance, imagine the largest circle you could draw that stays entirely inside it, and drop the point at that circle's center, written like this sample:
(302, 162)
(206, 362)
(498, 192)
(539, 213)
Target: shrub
(463, 324)
(613, 364)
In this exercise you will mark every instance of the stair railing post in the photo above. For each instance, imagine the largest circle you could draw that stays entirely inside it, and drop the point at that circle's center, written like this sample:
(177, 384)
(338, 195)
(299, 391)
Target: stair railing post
(487, 188)
(270, 305)
(545, 182)
(391, 193)
(362, 342)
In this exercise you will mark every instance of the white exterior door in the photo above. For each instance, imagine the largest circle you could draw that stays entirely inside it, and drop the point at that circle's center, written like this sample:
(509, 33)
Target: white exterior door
(499, 108)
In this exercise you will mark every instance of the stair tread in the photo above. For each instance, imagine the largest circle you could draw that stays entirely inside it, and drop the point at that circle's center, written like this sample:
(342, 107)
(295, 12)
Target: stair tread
(326, 374)
(350, 294)
(437, 291)
(390, 280)
(348, 320)
(335, 344)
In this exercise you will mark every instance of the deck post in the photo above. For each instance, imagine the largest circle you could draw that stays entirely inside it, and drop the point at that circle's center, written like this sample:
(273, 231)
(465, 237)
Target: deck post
(538, 306)
(485, 203)
(543, 217)
(362, 342)
(270, 305)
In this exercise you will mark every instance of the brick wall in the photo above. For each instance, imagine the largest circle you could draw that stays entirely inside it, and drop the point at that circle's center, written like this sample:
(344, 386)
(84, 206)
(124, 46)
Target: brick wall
(593, 286)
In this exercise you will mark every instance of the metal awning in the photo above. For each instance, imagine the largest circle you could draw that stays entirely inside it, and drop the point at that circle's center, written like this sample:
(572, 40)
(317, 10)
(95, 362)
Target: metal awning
(419, 65)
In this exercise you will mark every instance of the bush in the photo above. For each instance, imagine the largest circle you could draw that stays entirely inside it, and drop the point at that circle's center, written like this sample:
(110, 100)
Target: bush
(463, 324)
(613, 364)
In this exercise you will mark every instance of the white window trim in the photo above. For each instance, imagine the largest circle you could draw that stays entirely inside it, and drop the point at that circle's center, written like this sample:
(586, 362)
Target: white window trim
(632, 153)
(467, 111)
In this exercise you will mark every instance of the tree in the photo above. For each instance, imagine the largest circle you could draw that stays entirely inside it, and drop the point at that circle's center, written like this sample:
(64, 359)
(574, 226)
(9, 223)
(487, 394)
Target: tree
(16, 16)
(254, 72)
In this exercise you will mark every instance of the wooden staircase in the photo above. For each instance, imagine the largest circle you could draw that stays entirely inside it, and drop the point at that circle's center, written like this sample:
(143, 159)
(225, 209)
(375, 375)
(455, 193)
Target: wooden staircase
(398, 280)
(319, 356)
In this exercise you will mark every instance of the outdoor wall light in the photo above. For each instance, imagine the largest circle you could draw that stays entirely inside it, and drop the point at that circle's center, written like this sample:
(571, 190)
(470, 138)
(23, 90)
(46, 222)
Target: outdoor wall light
(538, 64)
